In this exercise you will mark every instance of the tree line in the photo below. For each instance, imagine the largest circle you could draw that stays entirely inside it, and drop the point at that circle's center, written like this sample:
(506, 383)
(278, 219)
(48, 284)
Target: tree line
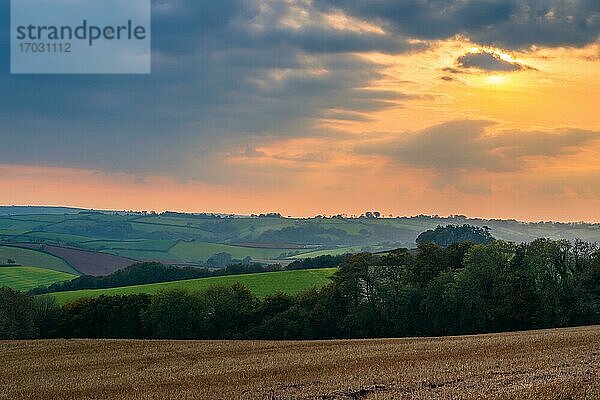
(461, 289)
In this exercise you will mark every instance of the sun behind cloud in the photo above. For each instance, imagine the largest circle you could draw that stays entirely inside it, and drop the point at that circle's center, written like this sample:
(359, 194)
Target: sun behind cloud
(497, 79)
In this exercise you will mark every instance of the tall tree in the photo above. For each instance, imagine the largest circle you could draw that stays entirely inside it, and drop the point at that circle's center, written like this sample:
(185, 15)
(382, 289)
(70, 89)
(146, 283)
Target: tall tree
(17, 315)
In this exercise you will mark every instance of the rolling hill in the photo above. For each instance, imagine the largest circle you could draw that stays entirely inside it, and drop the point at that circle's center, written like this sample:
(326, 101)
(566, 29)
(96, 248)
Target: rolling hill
(261, 284)
(99, 242)
(35, 258)
(85, 261)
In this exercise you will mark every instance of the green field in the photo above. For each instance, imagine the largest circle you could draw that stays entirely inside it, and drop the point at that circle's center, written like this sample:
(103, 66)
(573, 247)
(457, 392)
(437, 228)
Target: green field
(34, 258)
(149, 228)
(143, 255)
(261, 285)
(330, 252)
(26, 278)
(201, 251)
(57, 237)
(196, 252)
(142, 245)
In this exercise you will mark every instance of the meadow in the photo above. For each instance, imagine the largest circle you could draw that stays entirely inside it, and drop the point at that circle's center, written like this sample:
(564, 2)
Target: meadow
(27, 278)
(549, 364)
(261, 284)
(34, 258)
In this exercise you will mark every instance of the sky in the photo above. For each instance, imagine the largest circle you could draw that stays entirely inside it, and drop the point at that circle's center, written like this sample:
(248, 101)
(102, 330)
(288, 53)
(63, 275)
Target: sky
(488, 108)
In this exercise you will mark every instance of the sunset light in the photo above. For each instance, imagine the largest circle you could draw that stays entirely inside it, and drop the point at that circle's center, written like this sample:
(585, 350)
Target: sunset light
(300, 199)
(285, 102)
(497, 79)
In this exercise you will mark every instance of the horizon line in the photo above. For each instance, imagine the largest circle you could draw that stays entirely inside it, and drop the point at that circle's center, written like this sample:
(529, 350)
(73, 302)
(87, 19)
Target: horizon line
(282, 215)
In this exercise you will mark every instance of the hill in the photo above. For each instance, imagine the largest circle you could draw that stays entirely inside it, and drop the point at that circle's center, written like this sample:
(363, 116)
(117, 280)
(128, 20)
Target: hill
(216, 240)
(27, 210)
(261, 284)
(35, 258)
(84, 261)
(551, 364)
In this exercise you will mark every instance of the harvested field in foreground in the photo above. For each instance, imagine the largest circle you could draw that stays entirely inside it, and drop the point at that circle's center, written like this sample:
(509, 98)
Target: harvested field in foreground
(552, 364)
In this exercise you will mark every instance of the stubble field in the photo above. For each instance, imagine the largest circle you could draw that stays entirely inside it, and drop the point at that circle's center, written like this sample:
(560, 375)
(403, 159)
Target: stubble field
(552, 364)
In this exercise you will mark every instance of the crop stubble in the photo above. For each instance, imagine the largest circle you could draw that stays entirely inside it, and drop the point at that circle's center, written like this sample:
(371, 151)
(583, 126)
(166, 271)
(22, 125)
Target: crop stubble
(551, 364)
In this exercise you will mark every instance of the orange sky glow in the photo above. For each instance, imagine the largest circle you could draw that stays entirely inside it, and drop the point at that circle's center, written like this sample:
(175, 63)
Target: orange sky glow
(533, 155)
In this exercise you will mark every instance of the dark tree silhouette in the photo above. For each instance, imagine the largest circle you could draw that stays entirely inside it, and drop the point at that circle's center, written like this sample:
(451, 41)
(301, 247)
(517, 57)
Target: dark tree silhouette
(446, 235)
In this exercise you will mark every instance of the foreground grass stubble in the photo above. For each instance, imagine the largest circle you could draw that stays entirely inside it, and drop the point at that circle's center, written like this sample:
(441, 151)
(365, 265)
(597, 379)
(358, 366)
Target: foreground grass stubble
(552, 364)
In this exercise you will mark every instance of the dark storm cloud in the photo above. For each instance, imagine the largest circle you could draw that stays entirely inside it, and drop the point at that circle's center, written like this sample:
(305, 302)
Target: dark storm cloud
(503, 23)
(465, 145)
(186, 26)
(489, 62)
(230, 70)
(430, 19)
(221, 70)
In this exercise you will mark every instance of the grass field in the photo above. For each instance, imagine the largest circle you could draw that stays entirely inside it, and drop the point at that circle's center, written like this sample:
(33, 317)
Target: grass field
(147, 245)
(197, 252)
(34, 258)
(262, 284)
(555, 365)
(200, 251)
(331, 252)
(26, 278)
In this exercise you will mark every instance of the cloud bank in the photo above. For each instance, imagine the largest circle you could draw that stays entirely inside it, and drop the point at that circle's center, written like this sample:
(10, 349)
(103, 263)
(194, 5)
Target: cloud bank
(230, 74)
(467, 145)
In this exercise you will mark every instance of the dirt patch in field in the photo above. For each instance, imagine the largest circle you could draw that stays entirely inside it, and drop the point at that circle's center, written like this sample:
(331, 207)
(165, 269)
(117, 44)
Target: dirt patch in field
(553, 364)
(86, 262)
